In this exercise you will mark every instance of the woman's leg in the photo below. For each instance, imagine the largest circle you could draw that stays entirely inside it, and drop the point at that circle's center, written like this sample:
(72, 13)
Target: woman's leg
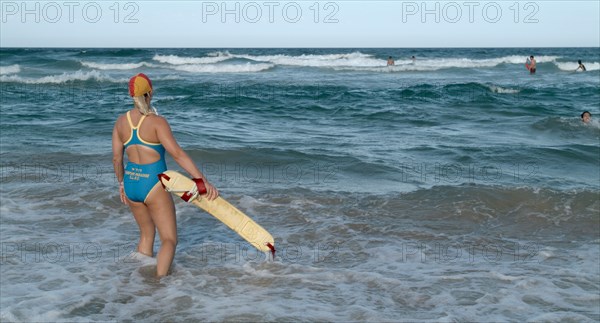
(142, 216)
(162, 211)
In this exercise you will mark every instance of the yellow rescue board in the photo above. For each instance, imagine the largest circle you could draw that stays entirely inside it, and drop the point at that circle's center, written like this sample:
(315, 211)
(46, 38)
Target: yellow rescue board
(235, 219)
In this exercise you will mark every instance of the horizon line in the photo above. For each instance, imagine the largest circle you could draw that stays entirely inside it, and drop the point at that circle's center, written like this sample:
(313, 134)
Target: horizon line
(286, 47)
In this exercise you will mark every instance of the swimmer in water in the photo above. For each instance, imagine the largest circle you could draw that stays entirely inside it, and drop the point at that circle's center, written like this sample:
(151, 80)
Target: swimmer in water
(390, 61)
(580, 67)
(532, 65)
(586, 117)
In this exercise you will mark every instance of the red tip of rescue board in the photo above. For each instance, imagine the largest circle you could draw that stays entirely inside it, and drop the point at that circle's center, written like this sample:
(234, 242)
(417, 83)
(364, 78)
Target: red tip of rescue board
(272, 249)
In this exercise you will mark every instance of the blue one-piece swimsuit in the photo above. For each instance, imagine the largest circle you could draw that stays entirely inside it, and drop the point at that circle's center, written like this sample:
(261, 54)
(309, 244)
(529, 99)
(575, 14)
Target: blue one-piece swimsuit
(140, 179)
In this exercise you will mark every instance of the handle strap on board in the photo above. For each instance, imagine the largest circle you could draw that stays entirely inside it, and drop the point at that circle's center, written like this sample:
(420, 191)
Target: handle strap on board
(198, 189)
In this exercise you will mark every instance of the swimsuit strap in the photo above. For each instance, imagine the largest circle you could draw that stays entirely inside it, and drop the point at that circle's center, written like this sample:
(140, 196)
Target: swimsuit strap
(135, 139)
(131, 122)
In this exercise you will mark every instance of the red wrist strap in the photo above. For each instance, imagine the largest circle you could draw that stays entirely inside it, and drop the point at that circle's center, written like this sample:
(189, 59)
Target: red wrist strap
(201, 189)
(200, 184)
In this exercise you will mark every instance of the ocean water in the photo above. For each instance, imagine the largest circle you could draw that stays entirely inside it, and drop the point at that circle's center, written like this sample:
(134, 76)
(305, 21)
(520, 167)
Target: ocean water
(456, 187)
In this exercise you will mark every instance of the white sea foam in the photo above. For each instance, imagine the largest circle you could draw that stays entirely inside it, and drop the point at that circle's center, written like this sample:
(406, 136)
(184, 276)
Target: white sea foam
(433, 64)
(218, 53)
(124, 66)
(180, 60)
(362, 62)
(355, 61)
(503, 277)
(224, 68)
(387, 69)
(10, 69)
(331, 60)
(61, 78)
(143, 259)
(498, 89)
(595, 123)
(76, 76)
(572, 66)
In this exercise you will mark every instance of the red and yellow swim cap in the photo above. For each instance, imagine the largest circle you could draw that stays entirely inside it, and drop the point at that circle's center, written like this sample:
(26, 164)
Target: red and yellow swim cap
(139, 85)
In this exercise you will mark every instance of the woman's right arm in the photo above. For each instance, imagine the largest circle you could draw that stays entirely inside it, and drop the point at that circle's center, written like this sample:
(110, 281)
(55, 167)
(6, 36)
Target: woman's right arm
(166, 138)
(117, 149)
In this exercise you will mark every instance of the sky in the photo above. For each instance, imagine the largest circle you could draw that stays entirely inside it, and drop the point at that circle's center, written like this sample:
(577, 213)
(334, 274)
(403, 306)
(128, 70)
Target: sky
(253, 24)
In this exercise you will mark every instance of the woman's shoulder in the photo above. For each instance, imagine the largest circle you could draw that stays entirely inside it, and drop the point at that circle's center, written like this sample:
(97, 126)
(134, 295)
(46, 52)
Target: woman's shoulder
(157, 120)
(121, 118)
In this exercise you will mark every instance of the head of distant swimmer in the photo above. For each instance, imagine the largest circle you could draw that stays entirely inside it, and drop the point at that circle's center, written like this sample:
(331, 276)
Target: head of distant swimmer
(579, 61)
(531, 56)
(140, 89)
(586, 116)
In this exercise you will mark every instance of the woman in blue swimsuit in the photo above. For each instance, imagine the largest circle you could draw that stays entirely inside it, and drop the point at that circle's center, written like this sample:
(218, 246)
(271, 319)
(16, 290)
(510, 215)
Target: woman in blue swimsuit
(144, 137)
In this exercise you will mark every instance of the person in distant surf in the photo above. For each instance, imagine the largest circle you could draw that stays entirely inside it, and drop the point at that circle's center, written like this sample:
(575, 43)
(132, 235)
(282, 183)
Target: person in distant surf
(580, 67)
(532, 64)
(144, 137)
(586, 117)
(390, 61)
